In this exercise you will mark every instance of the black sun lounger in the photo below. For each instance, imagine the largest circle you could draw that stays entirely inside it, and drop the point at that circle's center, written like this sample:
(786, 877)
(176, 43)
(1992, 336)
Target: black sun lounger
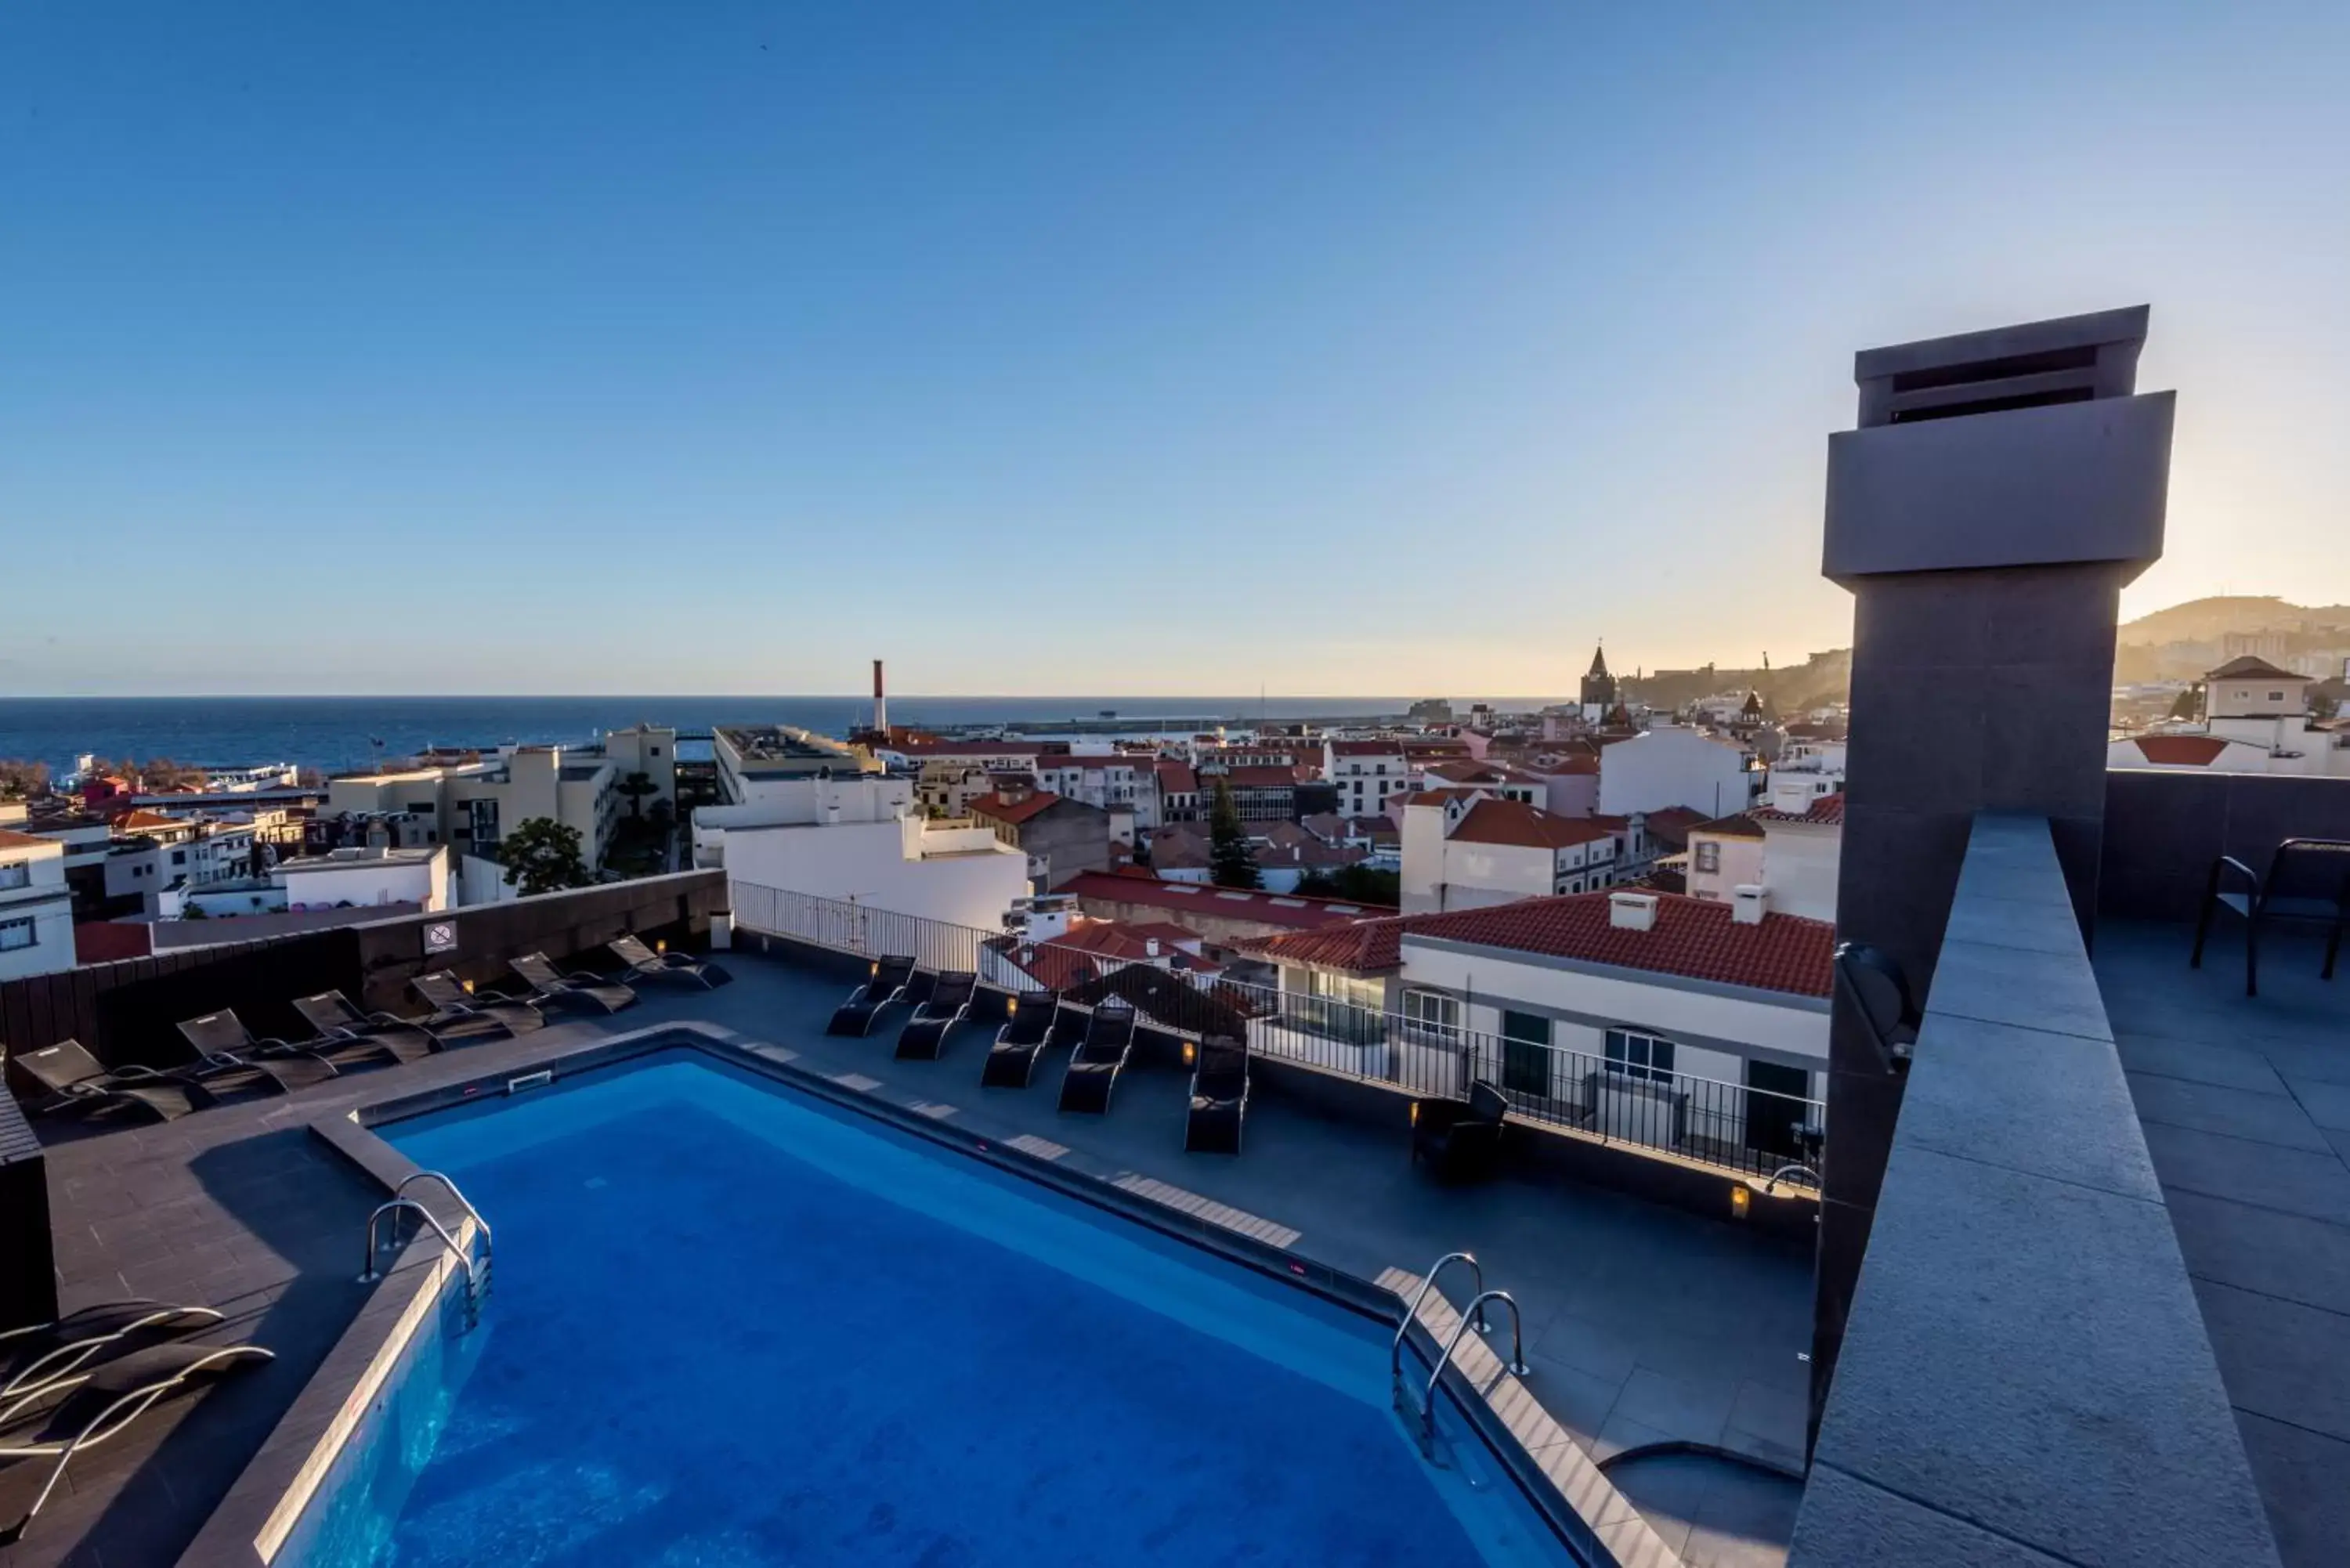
(43, 1352)
(70, 1416)
(77, 1081)
(1094, 1067)
(338, 1023)
(458, 1015)
(579, 990)
(884, 984)
(1220, 1089)
(644, 963)
(223, 1036)
(1026, 1034)
(925, 1034)
(1459, 1138)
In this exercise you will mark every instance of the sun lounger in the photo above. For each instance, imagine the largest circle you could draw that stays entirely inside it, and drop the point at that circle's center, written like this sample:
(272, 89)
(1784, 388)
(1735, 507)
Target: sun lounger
(42, 1353)
(579, 991)
(1026, 1034)
(1219, 1089)
(924, 1036)
(644, 963)
(67, 1416)
(77, 1081)
(885, 983)
(458, 1015)
(330, 1013)
(1459, 1138)
(223, 1035)
(1100, 1056)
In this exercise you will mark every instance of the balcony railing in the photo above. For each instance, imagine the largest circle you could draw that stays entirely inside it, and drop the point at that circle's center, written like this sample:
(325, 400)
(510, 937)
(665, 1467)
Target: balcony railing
(1730, 1127)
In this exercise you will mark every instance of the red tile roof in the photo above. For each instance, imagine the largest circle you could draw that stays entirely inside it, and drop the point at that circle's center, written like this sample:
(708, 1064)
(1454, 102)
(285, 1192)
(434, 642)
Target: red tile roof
(12, 839)
(1177, 778)
(1511, 822)
(2181, 751)
(1013, 811)
(1693, 937)
(1673, 825)
(1827, 809)
(1739, 825)
(1266, 777)
(2251, 669)
(1187, 899)
(1366, 748)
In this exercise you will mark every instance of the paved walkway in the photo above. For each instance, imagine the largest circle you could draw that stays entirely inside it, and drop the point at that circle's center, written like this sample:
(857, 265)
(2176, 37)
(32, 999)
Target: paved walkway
(2245, 1103)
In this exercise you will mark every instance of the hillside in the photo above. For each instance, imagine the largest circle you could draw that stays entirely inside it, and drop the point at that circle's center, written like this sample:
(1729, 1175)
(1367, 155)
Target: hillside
(2209, 619)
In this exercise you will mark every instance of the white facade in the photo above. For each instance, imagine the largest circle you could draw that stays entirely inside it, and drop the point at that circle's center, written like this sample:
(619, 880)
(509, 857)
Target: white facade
(1366, 774)
(809, 802)
(1722, 862)
(1674, 766)
(1108, 782)
(962, 875)
(367, 878)
(1442, 870)
(37, 935)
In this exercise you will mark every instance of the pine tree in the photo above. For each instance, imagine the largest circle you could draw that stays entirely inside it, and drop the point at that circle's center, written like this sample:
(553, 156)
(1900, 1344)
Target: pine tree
(1230, 863)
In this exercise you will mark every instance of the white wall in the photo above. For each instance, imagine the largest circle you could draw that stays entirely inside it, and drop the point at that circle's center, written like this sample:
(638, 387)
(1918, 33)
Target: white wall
(41, 908)
(1740, 863)
(1671, 765)
(370, 881)
(868, 862)
(1798, 868)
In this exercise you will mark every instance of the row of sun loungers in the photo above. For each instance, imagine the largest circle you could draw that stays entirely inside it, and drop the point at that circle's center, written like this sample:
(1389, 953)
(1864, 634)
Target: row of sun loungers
(69, 1386)
(1101, 1040)
(229, 1059)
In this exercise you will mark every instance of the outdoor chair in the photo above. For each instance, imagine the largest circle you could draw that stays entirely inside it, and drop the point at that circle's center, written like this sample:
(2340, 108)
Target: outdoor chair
(1219, 1089)
(924, 1037)
(1026, 1034)
(1459, 1138)
(224, 1035)
(579, 991)
(1879, 991)
(339, 1023)
(2308, 884)
(1100, 1056)
(458, 1015)
(644, 963)
(69, 1416)
(77, 1081)
(41, 1353)
(885, 982)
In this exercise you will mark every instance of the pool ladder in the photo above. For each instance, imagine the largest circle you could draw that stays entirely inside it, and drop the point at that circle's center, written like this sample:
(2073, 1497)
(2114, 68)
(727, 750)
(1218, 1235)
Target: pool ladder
(1421, 1411)
(477, 1272)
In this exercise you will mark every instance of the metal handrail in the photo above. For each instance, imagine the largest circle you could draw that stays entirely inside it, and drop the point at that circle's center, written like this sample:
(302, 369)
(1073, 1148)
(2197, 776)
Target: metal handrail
(1516, 1365)
(1799, 1169)
(1411, 1313)
(463, 1201)
(371, 1274)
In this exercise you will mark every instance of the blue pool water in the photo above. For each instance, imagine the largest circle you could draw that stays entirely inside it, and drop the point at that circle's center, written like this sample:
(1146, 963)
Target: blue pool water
(731, 1327)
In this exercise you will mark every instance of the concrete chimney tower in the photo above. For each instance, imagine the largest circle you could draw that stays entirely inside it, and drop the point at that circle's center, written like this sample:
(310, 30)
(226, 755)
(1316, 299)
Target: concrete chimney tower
(881, 704)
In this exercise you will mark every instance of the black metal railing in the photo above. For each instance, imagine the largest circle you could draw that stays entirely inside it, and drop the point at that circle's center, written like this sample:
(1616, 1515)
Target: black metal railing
(1733, 1127)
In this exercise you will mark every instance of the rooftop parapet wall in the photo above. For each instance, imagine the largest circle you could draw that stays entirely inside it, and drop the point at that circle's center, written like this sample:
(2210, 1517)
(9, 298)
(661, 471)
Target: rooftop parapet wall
(2024, 1361)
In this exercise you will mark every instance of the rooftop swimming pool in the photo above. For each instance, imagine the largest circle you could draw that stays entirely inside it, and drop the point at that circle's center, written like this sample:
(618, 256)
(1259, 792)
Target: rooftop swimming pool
(733, 1325)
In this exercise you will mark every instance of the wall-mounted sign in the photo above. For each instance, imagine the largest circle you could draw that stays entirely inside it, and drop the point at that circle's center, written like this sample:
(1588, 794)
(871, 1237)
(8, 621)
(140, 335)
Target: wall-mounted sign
(439, 936)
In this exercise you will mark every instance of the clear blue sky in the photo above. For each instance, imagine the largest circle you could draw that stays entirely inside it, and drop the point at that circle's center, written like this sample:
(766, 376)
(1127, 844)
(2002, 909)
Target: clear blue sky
(1352, 348)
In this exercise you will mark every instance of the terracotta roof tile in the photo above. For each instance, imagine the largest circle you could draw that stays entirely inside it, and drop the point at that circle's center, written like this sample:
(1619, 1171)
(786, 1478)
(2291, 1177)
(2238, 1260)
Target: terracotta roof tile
(1737, 825)
(1181, 901)
(1511, 822)
(1013, 811)
(1827, 810)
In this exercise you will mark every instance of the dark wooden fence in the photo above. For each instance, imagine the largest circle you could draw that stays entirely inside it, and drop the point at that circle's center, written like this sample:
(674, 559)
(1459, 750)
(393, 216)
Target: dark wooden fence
(129, 1011)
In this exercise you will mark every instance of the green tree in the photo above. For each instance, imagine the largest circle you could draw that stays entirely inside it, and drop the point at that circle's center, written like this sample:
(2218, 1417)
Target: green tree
(21, 780)
(542, 855)
(1357, 884)
(635, 786)
(2184, 705)
(1231, 863)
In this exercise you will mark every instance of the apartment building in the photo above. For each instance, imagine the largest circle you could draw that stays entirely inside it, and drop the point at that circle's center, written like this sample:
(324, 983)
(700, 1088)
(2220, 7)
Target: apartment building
(2256, 721)
(1464, 850)
(1366, 774)
(1061, 837)
(470, 805)
(760, 761)
(36, 924)
(1106, 781)
(1674, 764)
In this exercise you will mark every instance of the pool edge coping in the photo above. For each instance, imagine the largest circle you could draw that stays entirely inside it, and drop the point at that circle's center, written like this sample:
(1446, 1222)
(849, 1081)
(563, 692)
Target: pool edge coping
(1561, 1482)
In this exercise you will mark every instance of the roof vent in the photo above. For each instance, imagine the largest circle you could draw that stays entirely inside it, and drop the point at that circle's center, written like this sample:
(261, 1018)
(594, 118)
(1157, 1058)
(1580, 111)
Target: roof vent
(1632, 911)
(1747, 904)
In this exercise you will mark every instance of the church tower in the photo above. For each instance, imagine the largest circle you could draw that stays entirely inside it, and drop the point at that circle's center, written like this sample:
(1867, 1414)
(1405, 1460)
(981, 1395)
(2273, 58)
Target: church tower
(1598, 687)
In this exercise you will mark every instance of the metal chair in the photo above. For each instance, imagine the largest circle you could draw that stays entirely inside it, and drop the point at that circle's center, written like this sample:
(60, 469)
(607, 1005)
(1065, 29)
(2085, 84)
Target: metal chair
(2308, 884)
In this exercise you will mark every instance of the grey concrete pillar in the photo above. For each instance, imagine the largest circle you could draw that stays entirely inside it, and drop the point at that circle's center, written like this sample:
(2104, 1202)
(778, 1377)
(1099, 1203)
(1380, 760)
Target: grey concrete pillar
(2001, 489)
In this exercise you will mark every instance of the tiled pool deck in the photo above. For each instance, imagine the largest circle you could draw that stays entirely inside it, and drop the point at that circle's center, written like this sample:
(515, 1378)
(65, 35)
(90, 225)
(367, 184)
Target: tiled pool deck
(2245, 1104)
(1644, 1325)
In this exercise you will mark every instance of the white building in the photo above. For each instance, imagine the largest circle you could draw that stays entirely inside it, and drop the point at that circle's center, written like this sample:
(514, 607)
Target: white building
(1108, 781)
(1644, 1014)
(958, 872)
(368, 879)
(475, 803)
(1366, 774)
(1787, 855)
(2256, 719)
(1464, 850)
(757, 762)
(1675, 766)
(37, 926)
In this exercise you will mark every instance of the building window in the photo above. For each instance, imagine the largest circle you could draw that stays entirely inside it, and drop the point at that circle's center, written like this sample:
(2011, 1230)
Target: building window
(15, 874)
(1432, 1012)
(1639, 1056)
(1709, 856)
(14, 934)
(1526, 1052)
